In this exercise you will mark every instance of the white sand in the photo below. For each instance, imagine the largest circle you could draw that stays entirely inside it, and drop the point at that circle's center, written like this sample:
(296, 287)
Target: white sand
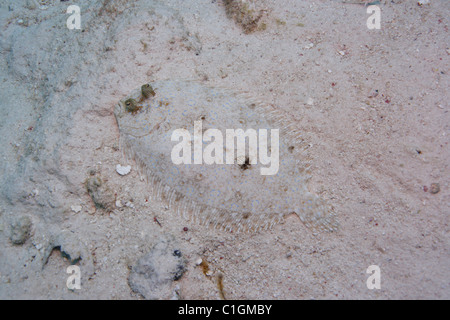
(372, 156)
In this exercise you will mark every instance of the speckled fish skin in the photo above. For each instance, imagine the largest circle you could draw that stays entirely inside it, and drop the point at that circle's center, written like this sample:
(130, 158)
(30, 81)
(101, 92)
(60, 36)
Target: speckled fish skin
(226, 196)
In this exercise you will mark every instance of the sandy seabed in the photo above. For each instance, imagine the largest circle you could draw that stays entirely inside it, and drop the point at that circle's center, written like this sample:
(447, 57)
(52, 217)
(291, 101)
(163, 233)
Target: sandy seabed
(373, 105)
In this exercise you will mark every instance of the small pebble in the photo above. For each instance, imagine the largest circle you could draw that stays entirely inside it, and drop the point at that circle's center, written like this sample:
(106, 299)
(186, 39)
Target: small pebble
(435, 188)
(422, 2)
(20, 230)
(198, 261)
(177, 253)
(129, 204)
(75, 209)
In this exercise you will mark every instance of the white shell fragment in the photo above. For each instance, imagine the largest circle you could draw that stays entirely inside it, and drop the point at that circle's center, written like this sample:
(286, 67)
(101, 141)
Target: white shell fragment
(123, 170)
(75, 209)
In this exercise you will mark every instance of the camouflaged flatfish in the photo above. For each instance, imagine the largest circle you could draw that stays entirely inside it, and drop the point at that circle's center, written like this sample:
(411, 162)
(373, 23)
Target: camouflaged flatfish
(229, 196)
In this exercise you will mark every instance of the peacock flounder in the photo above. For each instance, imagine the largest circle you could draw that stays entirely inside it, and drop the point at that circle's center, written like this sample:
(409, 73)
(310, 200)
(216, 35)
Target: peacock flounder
(172, 130)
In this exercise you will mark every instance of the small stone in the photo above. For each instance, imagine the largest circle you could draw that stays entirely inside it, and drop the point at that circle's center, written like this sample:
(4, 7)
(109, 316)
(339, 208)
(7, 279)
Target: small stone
(119, 204)
(75, 209)
(123, 170)
(129, 204)
(177, 253)
(20, 230)
(435, 188)
(310, 102)
(209, 273)
(342, 53)
(101, 195)
(198, 261)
